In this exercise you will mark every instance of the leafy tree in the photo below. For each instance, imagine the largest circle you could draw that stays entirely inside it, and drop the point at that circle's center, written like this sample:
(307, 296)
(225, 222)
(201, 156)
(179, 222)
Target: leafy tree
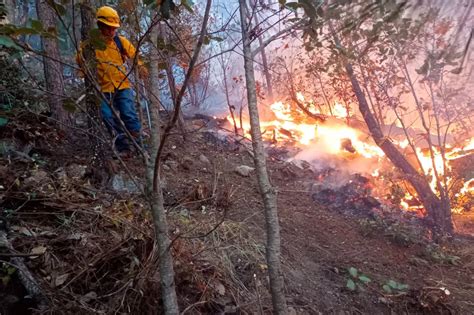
(362, 43)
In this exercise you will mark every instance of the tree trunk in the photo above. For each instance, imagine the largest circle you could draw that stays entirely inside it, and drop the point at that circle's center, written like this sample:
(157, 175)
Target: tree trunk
(53, 70)
(265, 68)
(90, 70)
(267, 191)
(172, 83)
(433, 205)
(223, 65)
(155, 193)
(8, 16)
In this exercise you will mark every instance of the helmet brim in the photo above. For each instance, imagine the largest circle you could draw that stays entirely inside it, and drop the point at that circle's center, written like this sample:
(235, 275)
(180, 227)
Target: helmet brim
(112, 24)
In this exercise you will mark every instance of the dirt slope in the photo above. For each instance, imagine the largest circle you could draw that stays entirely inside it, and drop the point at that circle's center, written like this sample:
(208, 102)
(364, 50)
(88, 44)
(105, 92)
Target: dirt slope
(98, 252)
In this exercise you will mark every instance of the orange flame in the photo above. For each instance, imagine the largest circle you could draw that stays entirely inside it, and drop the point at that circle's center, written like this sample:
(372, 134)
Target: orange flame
(291, 124)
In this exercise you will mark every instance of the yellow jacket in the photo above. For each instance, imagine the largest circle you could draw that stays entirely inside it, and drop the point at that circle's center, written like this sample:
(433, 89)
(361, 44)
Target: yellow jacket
(111, 70)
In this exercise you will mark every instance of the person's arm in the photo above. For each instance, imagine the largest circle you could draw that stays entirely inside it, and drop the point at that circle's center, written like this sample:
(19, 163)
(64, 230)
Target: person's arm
(130, 51)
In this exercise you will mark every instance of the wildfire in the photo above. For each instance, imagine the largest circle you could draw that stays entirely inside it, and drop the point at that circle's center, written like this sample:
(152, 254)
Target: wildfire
(340, 111)
(292, 125)
(289, 126)
(469, 146)
(468, 187)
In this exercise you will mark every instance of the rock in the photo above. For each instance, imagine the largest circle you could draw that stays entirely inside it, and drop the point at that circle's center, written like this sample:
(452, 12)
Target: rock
(121, 183)
(301, 164)
(204, 159)
(172, 164)
(37, 177)
(292, 311)
(166, 167)
(187, 163)
(61, 174)
(244, 170)
(7, 147)
(76, 171)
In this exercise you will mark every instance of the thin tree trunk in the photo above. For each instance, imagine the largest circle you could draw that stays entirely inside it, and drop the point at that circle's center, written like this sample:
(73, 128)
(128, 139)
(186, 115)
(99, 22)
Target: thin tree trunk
(431, 202)
(267, 191)
(377, 115)
(433, 205)
(172, 84)
(53, 70)
(153, 171)
(324, 94)
(90, 68)
(155, 193)
(263, 54)
(226, 91)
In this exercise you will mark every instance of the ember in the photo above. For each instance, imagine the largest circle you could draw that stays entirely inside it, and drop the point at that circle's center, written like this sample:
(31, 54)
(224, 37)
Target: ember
(355, 196)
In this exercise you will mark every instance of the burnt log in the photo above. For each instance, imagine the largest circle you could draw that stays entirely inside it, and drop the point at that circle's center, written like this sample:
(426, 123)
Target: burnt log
(346, 144)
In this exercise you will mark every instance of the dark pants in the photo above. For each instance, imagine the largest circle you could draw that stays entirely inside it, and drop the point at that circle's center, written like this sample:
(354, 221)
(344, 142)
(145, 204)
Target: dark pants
(123, 102)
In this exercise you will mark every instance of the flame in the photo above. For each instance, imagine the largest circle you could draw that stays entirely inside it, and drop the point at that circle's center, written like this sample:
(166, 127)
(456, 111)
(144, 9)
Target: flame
(288, 127)
(403, 144)
(340, 111)
(469, 145)
(300, 97)
(468, 187)
(291, 124)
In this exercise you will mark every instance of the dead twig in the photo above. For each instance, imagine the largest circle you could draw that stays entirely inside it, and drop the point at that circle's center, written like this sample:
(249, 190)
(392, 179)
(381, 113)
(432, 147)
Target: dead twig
(190, 307)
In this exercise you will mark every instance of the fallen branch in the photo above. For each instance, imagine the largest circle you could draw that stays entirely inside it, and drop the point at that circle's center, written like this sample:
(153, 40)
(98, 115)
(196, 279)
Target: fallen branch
(24, 275)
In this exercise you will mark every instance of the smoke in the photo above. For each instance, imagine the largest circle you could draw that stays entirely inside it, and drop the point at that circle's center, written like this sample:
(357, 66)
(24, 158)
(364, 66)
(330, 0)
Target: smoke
(337, 146)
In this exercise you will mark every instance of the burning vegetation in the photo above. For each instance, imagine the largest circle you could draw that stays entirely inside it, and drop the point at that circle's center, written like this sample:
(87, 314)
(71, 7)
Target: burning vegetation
(342, 141)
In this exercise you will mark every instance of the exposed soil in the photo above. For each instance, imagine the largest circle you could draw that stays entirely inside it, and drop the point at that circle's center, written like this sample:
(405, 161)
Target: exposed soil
(103, 241)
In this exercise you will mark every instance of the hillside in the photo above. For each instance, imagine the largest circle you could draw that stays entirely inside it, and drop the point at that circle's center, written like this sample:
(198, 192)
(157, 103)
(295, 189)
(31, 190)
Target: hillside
(90, 249)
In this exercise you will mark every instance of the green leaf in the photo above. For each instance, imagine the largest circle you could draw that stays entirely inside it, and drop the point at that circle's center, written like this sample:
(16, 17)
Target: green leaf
(353, 272)
(36, 25)
(351, 285)
(59, 8)
(3, 121)
(25, 31)
(292, 5)
(166, 7)
(7, 42)
(187, 5)
(97, 40)
(69, 105)
(5, 280)
(217, 39)
(402, 287)
(364, 279)
(387, 288)
(393, 284)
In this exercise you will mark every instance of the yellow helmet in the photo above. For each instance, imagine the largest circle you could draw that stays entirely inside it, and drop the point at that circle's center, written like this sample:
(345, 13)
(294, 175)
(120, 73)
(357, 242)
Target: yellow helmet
(108, 16)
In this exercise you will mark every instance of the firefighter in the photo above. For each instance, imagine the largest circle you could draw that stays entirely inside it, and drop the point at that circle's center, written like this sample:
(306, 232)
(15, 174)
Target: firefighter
(112, 77)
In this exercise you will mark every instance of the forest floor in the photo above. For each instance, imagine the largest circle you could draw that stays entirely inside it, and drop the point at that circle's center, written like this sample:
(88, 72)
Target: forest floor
(91, 248)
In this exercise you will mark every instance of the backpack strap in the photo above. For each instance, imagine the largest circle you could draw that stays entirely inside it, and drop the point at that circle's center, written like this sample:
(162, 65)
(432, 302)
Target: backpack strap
(119, 45)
